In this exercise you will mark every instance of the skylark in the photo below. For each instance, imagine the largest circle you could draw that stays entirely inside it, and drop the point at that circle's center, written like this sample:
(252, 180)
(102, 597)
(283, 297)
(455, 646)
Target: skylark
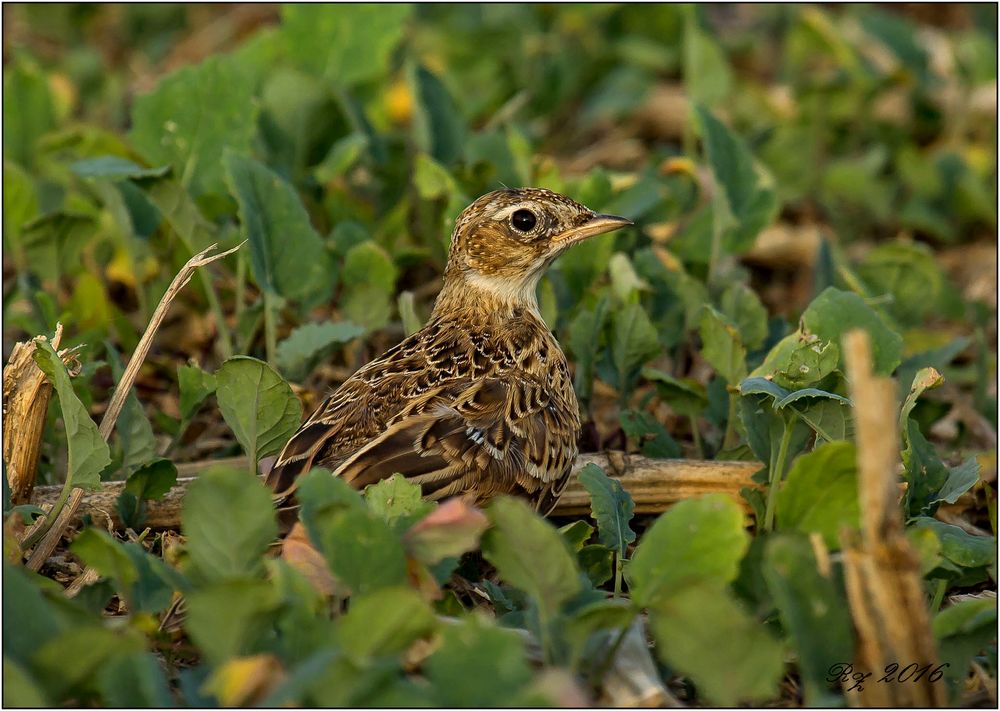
(479, 402)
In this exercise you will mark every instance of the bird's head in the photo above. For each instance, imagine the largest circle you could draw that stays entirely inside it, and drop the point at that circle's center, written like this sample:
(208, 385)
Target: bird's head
(503, 242)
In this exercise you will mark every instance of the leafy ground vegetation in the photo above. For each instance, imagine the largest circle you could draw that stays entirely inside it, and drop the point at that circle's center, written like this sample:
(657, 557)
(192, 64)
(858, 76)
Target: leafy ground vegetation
(794, 172)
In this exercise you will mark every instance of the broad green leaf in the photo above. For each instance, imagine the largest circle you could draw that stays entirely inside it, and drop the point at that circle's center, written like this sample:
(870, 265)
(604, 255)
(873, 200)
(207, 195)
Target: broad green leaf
(530, 554)
(805, 393)
(635, 342)
(577, 534)
(88, 452)
(257, 404)
(369, 278)
(707, 76)
(286, 254)
(907, 271)
(26, 87)
(20, 203)
(153, 480)
(833, 313)
(347, 44)
(585, 333)
(925, 473)
(477, 664)
(53, 241)
(115, 168)
(72, 660)
(180, 211)
(386, 621)
(820, 493)
(311, 341)
(195, 386)
(960, 479)
(342, 156)
(812, 610)
(624, 280)
(964, 631)
(597, 563)
(610, 506)
(697, 541)
(408, 313)
(135, 681)
(320, 494)
(363, 552)
(964, 617)
(397, 501)
(639, 425)
(958, 546)
(685, 396)
(431, 179)
(192, 117)
(799, 360)
(135, 432)
(19, 688)
(228, 519)
(730, 161)
(230, 619)
(722, 346)
(700, 629)
(742, 307)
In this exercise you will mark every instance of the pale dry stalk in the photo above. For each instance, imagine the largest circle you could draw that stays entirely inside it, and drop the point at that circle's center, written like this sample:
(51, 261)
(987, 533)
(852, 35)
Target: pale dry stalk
(882, 571)
(48, 544)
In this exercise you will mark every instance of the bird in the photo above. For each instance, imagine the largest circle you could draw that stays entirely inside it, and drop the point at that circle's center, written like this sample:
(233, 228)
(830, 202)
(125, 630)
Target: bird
(479, 402)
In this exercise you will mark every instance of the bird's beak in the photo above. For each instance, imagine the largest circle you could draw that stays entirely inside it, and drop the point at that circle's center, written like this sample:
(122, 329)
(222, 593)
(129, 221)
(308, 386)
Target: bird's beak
(597, 225)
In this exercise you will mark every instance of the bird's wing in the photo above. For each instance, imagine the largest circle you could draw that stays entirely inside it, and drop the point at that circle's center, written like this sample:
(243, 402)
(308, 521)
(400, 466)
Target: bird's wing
(482, 438)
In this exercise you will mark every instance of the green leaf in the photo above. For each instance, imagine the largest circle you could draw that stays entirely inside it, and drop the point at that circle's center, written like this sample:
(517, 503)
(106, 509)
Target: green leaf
(576, 534)
(20, 689)
(722, 346)
(228, 519)
(477, 664)
(834, 312)
(321, 494)
(258, 405)
(820, 493)
(286, 254)
(73, 659)
(153, 480)
(88, 452)
(585, 333)
(437, 121)
(397, 501)
(701, 629)
(369, 278)
(408, 313)
(799, 360)
(742, 307)
(229, 619)
(349, 44)
(115, 168)
(342, 156)
(20, 203)
(195, 386)
(363, 552)
(812, 610)
(958, 546)
(639, 425)
(964, 617)
(26, 87)
(731, 163)
(923, 380)
(697, 541)
(906, 271)
(135, 681)
(925, 473)
(624, 280)
(431, 179)
(707, 76)
(530, 554)
(386, 621)
(635, 342)
(685, 396)
(960, 479)
(610, 506)
(310, 342)
(192, 117)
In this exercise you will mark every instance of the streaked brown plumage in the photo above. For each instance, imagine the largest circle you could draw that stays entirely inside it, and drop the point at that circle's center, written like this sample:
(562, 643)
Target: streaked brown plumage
(479, 402)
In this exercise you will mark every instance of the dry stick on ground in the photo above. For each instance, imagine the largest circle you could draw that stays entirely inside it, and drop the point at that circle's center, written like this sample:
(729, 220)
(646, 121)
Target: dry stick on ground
(26, 393)
(48, 544)
(654, 484)
(882, 571)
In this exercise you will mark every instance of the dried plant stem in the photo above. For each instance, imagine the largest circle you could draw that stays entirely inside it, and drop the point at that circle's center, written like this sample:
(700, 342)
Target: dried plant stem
(63, 516)
(654, 484)
(882, 571)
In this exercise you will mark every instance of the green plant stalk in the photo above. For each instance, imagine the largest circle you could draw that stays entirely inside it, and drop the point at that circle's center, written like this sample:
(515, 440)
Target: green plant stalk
(270, 328)
(777, 470)
(618, 574)
(939, 591)
(50, 517)
(225, 340)
(729, 439)
(241, 277)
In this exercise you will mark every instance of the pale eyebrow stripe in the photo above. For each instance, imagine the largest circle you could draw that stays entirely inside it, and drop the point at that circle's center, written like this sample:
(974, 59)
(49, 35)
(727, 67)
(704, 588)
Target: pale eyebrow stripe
(506, 212)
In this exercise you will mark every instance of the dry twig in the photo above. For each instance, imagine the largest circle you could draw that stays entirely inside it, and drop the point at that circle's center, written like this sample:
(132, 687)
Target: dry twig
(48, 544)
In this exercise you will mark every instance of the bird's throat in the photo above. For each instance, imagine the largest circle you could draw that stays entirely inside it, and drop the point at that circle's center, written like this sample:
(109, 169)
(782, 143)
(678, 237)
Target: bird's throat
(487, 296)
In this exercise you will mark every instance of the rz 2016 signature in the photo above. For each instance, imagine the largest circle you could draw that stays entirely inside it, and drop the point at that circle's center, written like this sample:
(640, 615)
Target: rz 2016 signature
(846, 674)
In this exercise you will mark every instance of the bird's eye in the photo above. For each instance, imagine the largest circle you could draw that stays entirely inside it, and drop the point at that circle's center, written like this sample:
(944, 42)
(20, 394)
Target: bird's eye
(523, 220)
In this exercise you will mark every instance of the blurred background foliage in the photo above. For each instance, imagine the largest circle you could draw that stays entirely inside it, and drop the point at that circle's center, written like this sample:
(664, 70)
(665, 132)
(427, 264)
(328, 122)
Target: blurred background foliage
(793, 170)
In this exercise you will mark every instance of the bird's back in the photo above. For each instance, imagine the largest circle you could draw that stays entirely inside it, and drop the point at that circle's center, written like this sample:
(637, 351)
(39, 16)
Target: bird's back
(474, 406)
